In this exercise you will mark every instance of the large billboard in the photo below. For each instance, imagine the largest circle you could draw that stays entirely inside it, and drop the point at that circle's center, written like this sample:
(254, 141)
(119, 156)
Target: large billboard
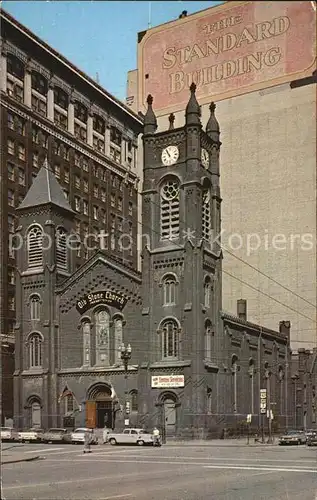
(227, 50)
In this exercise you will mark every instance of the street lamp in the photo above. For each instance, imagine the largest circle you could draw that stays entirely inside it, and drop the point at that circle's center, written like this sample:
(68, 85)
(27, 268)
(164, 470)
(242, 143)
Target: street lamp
(125, 357)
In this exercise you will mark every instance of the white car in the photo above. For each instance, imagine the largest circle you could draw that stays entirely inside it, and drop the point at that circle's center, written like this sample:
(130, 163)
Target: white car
(78, 436)
(32, 435)
(8, 434)
(137, 436)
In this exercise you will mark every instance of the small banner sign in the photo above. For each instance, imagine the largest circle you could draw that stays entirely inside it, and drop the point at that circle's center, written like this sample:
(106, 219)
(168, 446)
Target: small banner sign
(108, 297)
(162, 381)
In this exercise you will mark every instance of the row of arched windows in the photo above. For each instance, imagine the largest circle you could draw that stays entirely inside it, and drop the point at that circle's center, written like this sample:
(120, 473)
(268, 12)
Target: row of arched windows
(37, 241)
(40, 84)
(170, 211)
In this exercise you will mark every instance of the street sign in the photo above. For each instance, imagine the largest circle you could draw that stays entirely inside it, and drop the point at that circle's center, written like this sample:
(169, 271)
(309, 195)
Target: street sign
(263, 401)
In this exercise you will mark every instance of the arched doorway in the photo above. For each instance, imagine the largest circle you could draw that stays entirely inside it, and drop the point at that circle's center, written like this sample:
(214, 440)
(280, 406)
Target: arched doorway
(100, 407)
(34, 412)
(169, 404)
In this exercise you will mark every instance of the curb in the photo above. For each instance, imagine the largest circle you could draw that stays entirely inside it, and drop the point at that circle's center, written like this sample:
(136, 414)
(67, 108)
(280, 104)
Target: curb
(31, 459)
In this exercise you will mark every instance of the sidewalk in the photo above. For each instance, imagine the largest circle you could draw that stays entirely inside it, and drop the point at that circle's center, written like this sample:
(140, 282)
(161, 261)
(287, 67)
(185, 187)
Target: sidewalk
(14, 454)
(242, 442)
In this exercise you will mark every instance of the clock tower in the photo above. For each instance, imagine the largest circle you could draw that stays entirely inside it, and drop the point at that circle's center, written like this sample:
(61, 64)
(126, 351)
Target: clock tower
(181, 268)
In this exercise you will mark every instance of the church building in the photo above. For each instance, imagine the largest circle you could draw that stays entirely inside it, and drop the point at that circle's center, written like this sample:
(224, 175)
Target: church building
(104, 345)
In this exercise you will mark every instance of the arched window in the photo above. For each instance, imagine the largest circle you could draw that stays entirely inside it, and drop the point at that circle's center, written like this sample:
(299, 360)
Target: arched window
(69, 404)
(169, 290)
(234, 371)
(60, 98)
(134, 400)
(35, 246)
(207, 291)
(208, 338)
(35, 350)
(170, 210)
(86, 343)
(39, 83)
(35, 307)
(80, 111)
(102, 337)
(251, 372)
(61, 249)
(118, 338)
(206, 216)
(170, 339)
(15, 66)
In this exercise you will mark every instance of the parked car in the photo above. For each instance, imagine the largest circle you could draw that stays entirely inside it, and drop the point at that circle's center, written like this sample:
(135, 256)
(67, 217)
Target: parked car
(293, 437)
(312, 438)
(138, 437)
(56, 436)
(8, 434)
(78, 436)
(32, 435)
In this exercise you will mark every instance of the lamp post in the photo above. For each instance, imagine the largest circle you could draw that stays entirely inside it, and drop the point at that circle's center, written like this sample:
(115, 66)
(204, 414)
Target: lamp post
(125, 357)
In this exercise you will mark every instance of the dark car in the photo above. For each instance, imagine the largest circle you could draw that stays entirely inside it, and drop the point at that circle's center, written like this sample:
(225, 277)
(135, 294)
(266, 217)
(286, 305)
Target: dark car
(312, 438)
(293, 437)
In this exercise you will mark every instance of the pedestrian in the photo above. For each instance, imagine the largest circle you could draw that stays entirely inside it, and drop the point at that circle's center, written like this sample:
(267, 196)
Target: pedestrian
(156, 437)
(87, 441)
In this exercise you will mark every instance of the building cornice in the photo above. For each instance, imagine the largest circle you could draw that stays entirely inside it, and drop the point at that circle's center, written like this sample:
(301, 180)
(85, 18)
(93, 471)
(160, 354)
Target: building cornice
(62, 60)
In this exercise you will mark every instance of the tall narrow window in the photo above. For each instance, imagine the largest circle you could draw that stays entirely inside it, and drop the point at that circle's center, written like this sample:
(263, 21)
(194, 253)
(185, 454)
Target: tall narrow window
(35, 304)
(134, 400)
(61, 249)
(118, 338)
(102, 337)
(170, 210)
(169, 290)
(169, 339)
(35, 246)
(86, 344)
(35, 350)
(206, 216)
(208, 338)
(234, 371)
(251, 375)
(207, 291)
(69, 404)
(281, 382)
(209, 400)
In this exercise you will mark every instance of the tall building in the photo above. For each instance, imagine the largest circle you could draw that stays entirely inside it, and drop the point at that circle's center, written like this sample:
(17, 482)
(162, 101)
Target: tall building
(187, 366)
(257, 61)
(52, 110)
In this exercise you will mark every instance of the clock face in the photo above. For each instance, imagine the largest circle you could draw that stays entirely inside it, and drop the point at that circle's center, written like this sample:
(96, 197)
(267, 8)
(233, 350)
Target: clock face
(170, 155)
(205, 158)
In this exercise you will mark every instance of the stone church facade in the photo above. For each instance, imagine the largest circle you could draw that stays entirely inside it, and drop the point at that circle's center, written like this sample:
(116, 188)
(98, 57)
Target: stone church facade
(194, 370)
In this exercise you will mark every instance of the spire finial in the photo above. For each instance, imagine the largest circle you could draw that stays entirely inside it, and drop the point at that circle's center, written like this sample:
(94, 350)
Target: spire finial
(212, 128)
(150, 123)
(171, 119)
(192, 113)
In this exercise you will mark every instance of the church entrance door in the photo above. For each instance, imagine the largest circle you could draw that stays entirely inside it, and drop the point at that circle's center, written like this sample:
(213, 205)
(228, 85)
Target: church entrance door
(100, 407)
(170, 417)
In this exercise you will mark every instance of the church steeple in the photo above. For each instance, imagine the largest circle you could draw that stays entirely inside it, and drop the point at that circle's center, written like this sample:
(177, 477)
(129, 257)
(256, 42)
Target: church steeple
(45, 190)
(192, 113)
(212, 128)
(150, 122)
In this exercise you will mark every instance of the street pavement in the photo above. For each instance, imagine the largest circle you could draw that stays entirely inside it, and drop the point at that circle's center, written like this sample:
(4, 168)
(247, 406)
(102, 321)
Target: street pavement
(173, 472)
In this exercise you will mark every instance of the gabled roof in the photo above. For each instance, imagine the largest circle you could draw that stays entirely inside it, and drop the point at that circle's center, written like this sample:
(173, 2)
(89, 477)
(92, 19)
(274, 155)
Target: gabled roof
(45, 190)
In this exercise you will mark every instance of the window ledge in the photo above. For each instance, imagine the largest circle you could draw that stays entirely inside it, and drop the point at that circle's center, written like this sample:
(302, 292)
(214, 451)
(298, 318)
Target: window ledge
(170, 364)
(36, 270)
(34, 371)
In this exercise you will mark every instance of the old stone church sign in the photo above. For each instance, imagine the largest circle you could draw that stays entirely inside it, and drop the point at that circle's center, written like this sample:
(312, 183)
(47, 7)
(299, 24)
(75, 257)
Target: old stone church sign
(108, 297)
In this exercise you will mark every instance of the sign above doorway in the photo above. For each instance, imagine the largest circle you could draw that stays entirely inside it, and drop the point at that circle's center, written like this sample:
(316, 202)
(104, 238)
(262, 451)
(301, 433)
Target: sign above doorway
(161, 381)
(108, 297)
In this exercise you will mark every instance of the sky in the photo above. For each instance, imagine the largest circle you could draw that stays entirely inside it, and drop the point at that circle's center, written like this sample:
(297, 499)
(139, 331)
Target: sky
(98, 36)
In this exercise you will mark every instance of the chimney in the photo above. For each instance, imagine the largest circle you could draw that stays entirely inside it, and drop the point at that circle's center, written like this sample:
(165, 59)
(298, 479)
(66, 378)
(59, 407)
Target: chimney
(242, 309)
(285, 328)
